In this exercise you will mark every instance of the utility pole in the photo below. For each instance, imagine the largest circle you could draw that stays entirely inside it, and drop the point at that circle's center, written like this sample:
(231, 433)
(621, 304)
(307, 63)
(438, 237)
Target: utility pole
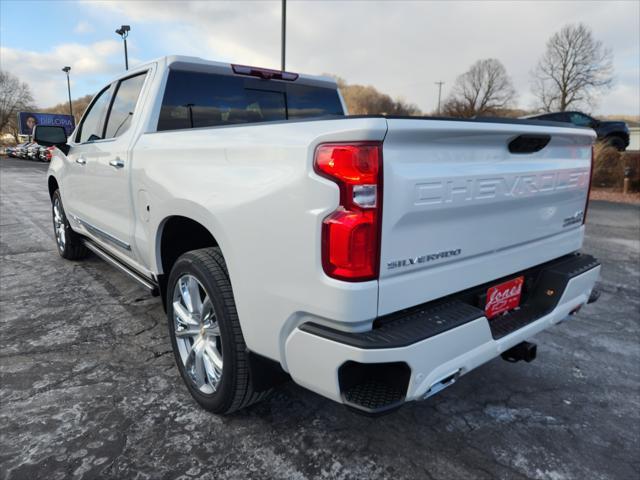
(66, 70)
(439, 94)
(284, 33)
(123, 31)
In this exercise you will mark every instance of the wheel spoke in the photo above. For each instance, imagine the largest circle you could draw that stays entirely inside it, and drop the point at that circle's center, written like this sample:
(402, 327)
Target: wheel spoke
(209, 318)
(187, 332)
(185, 294)
(206, 307)
(194, 294)
(195, 364)
(191, 294)
(213, 372)
(213, 330)
(213, 355)
(183, 316)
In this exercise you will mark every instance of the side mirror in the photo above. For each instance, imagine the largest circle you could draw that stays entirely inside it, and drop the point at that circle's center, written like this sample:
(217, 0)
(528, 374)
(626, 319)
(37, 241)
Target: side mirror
(50, 136)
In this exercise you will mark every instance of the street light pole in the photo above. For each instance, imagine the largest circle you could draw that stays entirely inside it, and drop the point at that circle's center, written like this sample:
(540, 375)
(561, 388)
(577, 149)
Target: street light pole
(284, 32)
(439, 94)
(123, 31)
(66, 70)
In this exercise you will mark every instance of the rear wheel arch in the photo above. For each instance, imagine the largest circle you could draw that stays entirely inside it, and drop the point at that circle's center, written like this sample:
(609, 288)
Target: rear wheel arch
(616, 139)
(176, 236)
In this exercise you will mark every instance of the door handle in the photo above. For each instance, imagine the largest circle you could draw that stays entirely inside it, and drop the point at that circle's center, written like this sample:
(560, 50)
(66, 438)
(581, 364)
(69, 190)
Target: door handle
(81, 161)
(117, 163)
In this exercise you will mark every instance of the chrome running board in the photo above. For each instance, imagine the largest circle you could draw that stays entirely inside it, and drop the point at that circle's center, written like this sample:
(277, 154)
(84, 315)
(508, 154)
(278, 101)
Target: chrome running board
(146, 282)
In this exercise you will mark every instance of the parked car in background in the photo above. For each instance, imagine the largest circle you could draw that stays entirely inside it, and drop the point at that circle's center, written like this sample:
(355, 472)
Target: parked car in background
(30, 150)
(33, 151)
(19, 151)
(614, 133)
(24, 150)
(45, 153)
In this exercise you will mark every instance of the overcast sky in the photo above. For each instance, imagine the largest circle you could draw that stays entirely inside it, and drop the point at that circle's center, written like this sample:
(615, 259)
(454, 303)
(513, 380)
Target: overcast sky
(401, 48)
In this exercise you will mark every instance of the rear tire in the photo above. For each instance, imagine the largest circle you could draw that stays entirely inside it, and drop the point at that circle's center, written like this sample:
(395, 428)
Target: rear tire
(207, 341)
(69, 243)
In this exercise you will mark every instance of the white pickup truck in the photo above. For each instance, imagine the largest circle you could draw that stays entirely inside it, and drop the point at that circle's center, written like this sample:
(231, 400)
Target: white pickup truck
(373, 260)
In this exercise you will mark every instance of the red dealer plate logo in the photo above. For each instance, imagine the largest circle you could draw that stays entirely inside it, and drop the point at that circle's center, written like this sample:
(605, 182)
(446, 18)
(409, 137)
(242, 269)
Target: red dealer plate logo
(503, 297)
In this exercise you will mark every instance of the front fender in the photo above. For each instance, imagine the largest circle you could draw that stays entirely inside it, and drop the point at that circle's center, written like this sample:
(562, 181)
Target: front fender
(56, 172)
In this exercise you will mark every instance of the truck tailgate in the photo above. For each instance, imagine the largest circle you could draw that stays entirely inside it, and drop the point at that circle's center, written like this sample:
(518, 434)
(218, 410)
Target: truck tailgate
(460, 209)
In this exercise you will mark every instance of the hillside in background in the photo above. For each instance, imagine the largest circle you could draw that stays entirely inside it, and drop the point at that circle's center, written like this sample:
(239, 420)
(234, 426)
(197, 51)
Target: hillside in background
(79, 105)
(632, 120)
(367, 100)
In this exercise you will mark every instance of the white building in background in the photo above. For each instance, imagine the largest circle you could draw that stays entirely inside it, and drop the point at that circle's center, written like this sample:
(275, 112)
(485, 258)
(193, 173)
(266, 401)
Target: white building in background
(634, 138)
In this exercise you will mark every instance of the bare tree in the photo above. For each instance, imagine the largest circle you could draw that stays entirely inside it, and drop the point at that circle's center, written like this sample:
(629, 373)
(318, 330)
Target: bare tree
(14, 96)
(484, 89)
(573, 70)
(79, 105)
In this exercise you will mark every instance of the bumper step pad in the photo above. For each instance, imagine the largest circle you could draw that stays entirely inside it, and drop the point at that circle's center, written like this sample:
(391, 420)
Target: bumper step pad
(374, 388)
(403, 328)
(373, 396)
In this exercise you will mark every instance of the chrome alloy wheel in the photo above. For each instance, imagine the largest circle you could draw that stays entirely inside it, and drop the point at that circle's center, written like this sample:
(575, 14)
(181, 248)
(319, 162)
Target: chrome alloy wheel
(197, 334)
(59, 225)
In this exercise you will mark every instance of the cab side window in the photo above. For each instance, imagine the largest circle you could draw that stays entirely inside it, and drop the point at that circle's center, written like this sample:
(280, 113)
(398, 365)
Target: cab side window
(123, 106)
(558, 117)
(92, 125)
(580, 120)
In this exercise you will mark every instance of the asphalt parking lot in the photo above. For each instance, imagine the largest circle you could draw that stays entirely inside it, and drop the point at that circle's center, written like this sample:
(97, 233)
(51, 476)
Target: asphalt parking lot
(89, 388)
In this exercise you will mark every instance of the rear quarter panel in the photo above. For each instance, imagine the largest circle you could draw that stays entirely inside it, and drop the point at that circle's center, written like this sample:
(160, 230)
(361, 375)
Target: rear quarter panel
(254, 188)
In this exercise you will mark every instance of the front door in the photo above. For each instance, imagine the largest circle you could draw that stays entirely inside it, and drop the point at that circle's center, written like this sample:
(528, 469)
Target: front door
(109, 202)
(83, 149)
(102, 201)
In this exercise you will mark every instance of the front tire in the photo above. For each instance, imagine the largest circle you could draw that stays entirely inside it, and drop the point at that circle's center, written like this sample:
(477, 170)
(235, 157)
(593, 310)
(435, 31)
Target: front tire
(207, 341)
(617, 143)
(69, 243)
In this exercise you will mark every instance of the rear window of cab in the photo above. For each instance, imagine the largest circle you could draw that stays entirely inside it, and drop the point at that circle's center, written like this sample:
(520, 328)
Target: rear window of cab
(196, 99)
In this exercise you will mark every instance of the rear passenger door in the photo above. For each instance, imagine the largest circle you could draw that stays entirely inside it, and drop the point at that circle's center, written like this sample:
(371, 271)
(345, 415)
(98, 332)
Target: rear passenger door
(108, 211)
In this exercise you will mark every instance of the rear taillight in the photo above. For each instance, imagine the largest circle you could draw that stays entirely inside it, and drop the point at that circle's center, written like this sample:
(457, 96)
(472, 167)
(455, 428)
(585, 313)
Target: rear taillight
(586, 205)
(351, 234)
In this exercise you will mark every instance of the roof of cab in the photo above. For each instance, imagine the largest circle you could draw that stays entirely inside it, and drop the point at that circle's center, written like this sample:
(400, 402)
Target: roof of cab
(200, 64)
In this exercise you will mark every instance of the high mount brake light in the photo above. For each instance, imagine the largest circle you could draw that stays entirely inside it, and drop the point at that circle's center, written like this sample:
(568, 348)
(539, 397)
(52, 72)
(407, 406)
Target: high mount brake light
(351, 234)
(264, 73)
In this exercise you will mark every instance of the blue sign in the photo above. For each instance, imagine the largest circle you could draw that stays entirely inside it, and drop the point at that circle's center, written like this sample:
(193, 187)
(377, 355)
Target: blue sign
(28, 120)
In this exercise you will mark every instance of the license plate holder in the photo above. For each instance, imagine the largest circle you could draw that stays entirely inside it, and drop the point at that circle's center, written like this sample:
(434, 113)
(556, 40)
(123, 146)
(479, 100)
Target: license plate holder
(503, 297)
